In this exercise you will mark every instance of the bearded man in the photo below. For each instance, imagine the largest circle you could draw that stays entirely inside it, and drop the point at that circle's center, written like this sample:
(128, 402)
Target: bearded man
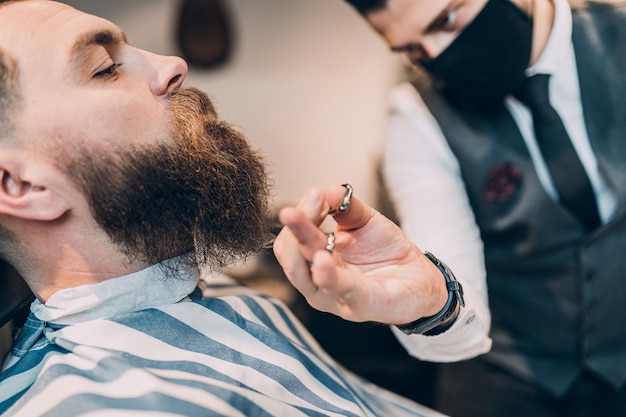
(118, 186)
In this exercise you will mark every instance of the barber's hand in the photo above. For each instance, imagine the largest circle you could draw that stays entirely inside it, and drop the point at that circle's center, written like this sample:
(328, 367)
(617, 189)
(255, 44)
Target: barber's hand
(375, 273)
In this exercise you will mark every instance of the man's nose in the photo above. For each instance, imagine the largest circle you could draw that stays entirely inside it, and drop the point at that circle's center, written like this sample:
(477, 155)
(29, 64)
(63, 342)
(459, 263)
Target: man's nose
(171, 71)
(431, 48)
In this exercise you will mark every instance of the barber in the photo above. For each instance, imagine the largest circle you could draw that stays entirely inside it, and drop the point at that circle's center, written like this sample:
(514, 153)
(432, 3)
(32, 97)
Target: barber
(500, 88)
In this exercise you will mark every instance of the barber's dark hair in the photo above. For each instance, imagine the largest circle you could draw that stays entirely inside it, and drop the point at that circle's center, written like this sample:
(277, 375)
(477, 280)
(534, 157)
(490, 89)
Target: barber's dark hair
(366, 6)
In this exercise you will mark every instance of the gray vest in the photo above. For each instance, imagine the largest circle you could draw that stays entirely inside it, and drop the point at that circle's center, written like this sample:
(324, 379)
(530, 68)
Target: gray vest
(557, 293)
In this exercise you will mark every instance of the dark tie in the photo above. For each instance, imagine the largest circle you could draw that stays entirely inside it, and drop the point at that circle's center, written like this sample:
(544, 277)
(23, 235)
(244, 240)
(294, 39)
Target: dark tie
(568, 174)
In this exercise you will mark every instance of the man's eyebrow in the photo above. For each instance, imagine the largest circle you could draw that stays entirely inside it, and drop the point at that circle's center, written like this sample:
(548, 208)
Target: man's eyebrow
(103, 37)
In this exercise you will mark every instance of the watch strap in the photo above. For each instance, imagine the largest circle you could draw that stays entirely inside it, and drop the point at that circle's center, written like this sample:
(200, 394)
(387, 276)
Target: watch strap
(446, 317)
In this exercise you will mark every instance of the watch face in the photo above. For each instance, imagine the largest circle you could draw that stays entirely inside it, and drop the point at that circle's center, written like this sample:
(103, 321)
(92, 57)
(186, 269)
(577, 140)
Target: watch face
(15, 296)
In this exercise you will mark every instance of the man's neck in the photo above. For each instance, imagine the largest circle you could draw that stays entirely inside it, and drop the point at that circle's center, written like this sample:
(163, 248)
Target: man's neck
(166, 283)
(60, 259)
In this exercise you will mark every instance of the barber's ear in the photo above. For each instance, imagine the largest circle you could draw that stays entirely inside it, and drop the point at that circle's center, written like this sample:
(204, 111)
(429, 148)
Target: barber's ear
(25, 194)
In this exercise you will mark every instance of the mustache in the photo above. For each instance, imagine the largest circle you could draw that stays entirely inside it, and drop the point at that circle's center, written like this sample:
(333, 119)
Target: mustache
(192, 100)
(190, 112)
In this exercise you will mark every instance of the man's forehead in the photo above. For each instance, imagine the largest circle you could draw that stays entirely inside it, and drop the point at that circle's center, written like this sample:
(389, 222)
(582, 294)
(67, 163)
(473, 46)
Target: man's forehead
(37, 23)
(422, 11)
(30, 12)
(45, 41)
(427, 7)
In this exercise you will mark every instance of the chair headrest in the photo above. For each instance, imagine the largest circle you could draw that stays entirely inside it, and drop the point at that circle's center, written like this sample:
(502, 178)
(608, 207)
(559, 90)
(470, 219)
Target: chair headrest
(15, 296)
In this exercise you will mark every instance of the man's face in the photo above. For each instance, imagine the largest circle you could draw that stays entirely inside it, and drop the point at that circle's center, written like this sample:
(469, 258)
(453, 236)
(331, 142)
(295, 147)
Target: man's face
(422, 29)
(80, 80)
(161, 174)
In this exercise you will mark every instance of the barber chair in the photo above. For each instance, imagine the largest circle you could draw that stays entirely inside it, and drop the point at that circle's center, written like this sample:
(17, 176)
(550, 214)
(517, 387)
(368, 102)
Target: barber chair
(15, 296)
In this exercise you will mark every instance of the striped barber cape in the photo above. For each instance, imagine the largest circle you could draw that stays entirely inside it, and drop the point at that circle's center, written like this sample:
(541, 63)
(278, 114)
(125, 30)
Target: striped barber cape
(234, 352)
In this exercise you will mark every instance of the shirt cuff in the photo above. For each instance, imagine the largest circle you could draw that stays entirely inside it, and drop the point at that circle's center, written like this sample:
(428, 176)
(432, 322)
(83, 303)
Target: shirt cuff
(467, 338)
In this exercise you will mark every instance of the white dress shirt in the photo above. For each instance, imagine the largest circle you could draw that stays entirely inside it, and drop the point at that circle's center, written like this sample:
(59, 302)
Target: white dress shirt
(425, 184)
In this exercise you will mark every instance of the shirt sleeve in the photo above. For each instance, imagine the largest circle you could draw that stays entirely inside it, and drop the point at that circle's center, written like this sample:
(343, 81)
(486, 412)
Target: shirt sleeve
(424, 182)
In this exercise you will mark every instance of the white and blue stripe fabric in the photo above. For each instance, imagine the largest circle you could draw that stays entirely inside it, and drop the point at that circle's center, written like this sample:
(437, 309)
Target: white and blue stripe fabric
(137, 346)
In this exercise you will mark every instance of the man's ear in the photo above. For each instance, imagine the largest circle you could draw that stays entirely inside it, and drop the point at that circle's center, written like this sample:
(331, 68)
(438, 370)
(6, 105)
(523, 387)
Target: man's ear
(25, 191)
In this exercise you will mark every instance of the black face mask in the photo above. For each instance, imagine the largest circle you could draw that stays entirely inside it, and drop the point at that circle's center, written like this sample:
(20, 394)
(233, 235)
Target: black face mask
(488, 59)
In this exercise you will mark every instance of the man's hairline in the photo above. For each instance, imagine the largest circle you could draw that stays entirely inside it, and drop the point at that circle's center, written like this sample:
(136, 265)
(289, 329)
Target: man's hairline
(6, 60)
(10, 86)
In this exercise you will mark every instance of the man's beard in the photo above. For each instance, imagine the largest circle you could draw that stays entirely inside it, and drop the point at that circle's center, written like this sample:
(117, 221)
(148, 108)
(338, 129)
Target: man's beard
(206, 195)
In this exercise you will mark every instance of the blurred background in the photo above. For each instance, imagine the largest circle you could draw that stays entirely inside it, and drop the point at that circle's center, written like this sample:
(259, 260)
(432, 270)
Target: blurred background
(307, 82)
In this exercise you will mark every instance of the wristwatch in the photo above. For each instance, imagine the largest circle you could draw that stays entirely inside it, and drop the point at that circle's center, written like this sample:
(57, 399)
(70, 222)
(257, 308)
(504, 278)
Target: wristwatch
(443, 320)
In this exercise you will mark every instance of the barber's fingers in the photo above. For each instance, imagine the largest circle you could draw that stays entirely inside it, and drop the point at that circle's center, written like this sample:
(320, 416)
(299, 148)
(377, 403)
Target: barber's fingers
(290, 256)
(342, 291)
(297, 243)
(307, 237)
(355, 216)
(334, 279)
(304, 219)
(313, 205)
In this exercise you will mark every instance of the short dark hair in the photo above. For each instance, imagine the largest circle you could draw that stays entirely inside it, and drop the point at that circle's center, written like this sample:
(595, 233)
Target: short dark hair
(8, 87)
(366, 6)
(9, 97)
(8, 93)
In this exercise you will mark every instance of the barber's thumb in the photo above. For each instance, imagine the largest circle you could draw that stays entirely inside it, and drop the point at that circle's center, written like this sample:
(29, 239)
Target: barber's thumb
(355, 216)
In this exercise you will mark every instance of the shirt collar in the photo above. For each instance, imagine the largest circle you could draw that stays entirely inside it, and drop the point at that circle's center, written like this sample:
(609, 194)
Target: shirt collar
(165, 283)
(561, 34)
